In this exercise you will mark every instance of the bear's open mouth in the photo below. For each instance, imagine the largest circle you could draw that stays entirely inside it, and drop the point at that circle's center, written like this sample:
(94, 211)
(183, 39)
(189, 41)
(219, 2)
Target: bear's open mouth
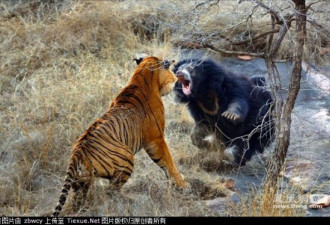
(186, 84)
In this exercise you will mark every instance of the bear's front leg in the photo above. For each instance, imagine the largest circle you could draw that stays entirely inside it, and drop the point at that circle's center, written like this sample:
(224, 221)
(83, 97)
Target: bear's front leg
(235, 113)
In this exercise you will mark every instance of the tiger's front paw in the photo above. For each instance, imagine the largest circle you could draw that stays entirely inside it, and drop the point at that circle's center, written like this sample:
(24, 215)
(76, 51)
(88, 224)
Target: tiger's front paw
(182, 185)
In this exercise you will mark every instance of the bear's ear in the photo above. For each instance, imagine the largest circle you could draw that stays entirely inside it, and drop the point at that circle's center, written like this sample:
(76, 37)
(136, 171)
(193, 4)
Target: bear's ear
(138, 60)
(167, 63)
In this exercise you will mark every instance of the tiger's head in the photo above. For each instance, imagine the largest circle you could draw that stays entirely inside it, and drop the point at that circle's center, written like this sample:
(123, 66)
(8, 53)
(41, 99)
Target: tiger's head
(156, 73)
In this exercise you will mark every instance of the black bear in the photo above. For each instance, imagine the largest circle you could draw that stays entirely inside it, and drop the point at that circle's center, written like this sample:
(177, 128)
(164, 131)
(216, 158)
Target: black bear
(233, 107)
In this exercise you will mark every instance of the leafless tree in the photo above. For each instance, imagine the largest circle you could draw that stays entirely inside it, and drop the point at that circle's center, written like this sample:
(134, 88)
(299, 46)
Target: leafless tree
(284, 107)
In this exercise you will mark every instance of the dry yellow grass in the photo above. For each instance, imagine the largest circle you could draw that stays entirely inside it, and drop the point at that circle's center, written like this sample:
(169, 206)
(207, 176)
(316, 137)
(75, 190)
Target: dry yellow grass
(59, 71)
(61, 63)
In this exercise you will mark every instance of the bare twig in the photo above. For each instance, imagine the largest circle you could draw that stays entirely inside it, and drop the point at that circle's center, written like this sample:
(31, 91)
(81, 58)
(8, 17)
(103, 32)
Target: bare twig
(276, 15)
(205, 2)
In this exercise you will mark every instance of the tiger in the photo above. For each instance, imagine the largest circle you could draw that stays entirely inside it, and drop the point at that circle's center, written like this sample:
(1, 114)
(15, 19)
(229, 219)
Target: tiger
(134, 120)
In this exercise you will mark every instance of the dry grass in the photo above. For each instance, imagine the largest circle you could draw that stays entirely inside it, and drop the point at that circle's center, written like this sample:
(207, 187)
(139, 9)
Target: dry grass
(61, 63)
(289, 201)
(51, 63)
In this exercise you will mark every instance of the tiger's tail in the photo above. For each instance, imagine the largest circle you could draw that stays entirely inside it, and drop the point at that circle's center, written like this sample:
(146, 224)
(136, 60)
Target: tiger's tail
(69, 178)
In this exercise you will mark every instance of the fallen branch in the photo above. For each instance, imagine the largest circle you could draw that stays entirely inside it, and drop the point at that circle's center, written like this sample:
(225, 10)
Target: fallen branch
(259, 54)
(196, 45)
(256, 37)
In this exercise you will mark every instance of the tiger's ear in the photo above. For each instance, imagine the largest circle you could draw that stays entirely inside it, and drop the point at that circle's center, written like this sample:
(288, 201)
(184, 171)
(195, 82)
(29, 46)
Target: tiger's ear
(139, 57)
(138, 60)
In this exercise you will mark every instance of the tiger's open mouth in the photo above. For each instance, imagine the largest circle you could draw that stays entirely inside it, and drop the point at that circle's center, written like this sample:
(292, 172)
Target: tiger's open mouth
(185, 81)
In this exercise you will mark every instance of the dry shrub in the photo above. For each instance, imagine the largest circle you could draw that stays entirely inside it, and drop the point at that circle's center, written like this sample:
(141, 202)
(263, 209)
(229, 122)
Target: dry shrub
(61, 64)
(225, 24)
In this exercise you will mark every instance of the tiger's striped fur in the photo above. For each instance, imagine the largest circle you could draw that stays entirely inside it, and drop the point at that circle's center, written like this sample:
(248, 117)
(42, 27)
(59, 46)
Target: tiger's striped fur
(134, 120)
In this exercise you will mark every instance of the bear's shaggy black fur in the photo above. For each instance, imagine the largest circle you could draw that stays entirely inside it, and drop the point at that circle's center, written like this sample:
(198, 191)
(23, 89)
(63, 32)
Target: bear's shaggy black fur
(231, 106)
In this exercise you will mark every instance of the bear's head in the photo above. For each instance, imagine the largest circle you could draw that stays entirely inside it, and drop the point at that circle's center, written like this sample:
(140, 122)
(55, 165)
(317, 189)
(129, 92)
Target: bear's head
(198, 76)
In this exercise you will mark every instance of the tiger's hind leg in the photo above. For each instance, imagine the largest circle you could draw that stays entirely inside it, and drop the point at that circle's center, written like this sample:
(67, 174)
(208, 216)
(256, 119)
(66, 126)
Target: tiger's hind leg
(158, 151)
(123, 168)
(116, 183)
(118, 180)
(80, 188)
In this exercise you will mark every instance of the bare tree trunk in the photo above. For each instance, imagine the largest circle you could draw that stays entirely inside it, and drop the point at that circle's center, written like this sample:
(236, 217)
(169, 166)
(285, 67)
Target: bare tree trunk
(283, 110)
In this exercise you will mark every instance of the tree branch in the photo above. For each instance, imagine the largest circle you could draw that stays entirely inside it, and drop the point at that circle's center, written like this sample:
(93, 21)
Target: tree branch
(283, 112)
(278, 18)
(314, 23)
(256, 37)
(313, 3)
(205, 2)
(282, 32)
